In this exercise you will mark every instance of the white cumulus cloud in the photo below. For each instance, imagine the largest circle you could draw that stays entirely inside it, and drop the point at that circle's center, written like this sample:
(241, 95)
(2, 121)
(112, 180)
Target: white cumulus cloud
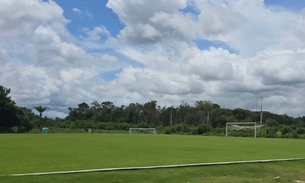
(155, 54)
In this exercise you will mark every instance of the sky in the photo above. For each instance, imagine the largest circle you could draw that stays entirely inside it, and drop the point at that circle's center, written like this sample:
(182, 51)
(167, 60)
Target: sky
(59, 53)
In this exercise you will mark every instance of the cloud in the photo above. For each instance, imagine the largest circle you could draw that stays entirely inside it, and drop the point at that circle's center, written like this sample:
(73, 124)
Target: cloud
(29, 14)
(85, 12)
(147, 23)
(263, 27)
(96, 32)
(88, 13)
(109, 58)
(45, 64)
(40, 61)
(76, 10)
(298, 30)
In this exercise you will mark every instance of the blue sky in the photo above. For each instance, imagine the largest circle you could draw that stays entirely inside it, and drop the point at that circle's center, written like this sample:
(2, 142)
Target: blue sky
(92, 14)
(157, 51)
(95, 13)
(295, 5)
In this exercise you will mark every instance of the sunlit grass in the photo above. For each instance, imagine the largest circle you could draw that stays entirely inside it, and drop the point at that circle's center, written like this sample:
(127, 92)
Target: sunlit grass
(28, 153)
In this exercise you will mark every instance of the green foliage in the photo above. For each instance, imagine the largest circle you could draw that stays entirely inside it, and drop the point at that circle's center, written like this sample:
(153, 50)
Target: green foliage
(242, 133)
(300, 131)
(278, 134)
(113, 126)
(13, 118)
(167, 130)
(271, 122)
(142, 125)
(240, 114)
(270, 132)
(205, 117)
(40, 109)
(186, 119)
(181, 128)
(203, 128)
(160, 129)
(286, 130)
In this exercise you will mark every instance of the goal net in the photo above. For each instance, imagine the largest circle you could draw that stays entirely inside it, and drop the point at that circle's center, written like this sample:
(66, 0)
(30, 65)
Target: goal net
(244, 129)
(142, 131)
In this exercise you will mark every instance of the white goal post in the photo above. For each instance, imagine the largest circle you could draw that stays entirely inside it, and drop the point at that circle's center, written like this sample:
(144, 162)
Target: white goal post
(142, 130)
(241, 126)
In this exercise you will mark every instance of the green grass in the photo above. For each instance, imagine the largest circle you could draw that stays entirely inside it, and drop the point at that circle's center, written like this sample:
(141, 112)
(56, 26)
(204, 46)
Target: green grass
(26, 153)
(251, 173)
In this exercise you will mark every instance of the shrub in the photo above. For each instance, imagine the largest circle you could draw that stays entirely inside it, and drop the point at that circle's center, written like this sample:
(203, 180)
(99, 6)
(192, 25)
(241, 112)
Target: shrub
(142, 125)
(300, 131)
(160, 129)
(167, 130)
(101, 126)
(286, 129)
(278, 134)
(124, 126)
(181, 128)
(270, 133)
(203, 128)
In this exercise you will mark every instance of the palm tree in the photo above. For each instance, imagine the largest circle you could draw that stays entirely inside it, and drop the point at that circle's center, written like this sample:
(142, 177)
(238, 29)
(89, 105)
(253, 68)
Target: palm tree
(41, 109)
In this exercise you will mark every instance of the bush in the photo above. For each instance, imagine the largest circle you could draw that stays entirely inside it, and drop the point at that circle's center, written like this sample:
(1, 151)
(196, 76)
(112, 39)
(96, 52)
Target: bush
(203, 128)
(90, 124)
(142, 125)
(110, 127)
(160, 129)
(272, 123)
(286, 130)
(300, 131)
(278, 134)
(270, 133)
(193, 131)
(167, 130)
(181, 128)
(124, 126)
(218, 131)
(101, 126)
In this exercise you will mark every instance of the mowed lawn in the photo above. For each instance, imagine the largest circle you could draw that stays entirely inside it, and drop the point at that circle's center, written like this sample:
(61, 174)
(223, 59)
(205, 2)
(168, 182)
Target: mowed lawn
(289, 172)
(27, 153)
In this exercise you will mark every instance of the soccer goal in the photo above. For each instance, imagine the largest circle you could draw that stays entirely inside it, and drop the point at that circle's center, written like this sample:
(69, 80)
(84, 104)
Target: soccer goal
(244, 126)
(142, 130)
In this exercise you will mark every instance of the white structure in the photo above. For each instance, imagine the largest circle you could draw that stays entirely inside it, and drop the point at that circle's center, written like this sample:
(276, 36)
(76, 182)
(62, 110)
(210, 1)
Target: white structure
(142, 130)
(230, 126)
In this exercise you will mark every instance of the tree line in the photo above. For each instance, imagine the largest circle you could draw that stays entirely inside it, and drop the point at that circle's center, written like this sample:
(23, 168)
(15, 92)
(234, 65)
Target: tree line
(202, 117)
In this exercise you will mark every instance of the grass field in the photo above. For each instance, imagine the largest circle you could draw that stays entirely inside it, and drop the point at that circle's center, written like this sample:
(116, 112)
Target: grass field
(26, 153)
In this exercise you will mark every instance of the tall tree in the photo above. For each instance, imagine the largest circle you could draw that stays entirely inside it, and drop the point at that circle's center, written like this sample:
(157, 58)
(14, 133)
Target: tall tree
(40, 109)
(95, 105)
(183, 108)
(240, 114)
(5, 100)
(12, 115)
(205, 108)
(150, 111)
(8, 116)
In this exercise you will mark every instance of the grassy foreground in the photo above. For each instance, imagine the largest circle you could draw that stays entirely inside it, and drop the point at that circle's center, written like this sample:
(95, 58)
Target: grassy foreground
(26, 153)
(251, 173)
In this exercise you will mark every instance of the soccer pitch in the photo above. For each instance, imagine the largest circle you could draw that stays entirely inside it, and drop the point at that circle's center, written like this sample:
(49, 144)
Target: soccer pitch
(30, 153)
